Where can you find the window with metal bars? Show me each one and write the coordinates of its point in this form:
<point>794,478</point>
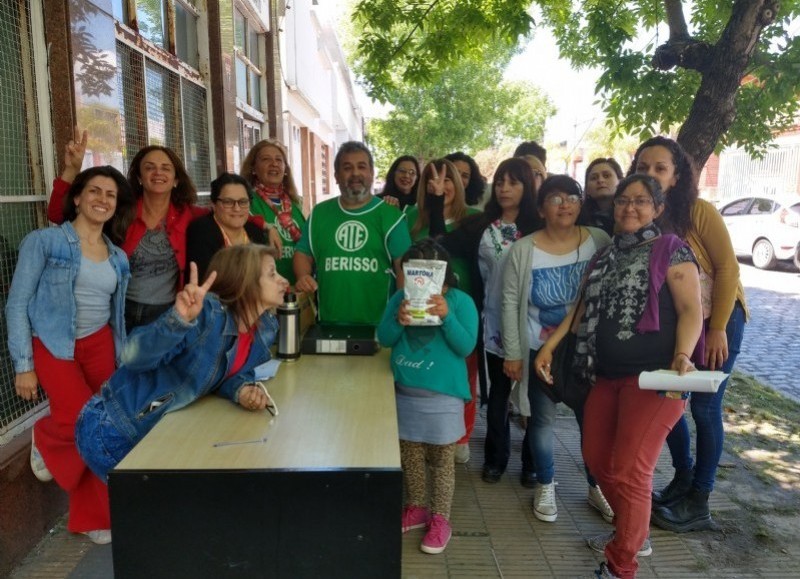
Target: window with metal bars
<point>22,181</point>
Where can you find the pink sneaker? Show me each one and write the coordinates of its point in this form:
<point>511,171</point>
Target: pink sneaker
<point>415,518</point>
<point>437,537</point>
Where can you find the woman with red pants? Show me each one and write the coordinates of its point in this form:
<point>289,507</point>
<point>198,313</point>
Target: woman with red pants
<point>640,311</point>
<point>66,325</point>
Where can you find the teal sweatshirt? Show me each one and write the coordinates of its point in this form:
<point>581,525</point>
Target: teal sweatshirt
<point>432,357</point>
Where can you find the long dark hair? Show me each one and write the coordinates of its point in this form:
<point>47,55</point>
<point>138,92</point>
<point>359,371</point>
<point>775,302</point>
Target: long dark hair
<point>125,211</point>
<point>474,189</point>
<point>184,193</point>
<point>528,219</point>
<point>677,216</point>
<point>390,188</point>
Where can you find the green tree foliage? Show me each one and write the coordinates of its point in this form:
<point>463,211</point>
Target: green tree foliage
<point>468,107</point>
<point>729,73</point>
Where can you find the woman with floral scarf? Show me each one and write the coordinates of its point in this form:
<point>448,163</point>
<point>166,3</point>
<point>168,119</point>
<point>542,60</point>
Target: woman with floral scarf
<point>640,311</point>
<point>266,168</point>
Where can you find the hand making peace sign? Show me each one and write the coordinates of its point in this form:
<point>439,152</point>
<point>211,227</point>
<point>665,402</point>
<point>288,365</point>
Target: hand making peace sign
<point>436,182</point>
<point>189,301</point>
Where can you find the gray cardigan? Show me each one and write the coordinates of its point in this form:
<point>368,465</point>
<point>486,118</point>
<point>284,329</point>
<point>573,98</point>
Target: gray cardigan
<point>516,288</point>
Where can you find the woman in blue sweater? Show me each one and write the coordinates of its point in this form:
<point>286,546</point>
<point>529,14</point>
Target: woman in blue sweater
<point>431,385</point>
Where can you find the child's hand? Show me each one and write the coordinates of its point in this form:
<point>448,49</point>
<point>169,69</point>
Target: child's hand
<point>438,306</point>
<point>403,317</point>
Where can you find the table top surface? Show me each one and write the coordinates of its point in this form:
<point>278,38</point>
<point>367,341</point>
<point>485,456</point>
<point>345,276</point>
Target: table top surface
<point>334,412</point>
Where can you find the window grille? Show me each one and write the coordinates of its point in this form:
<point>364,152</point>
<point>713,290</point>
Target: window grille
<point>161,108</point>
<point>22,184</point>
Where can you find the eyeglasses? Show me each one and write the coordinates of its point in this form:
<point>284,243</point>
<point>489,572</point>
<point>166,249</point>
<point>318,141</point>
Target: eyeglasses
<point>558,200</point>
<point>407,172</point>
<point>229,203</point>
<point>637,202</point>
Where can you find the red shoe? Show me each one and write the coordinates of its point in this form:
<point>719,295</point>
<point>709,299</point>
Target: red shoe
<point>437,537</point>
<point>415,518</point>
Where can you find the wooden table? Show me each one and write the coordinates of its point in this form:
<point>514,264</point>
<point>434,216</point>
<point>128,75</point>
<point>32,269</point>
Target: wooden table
<point>318,494</point>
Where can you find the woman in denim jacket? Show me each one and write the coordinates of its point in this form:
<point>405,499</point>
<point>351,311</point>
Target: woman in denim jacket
<point>66,327</point>
<point>206,343</point>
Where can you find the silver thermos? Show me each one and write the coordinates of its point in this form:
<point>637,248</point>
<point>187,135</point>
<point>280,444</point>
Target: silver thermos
<point>289,328</point>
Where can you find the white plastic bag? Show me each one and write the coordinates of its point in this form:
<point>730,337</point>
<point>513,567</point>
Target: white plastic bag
<point>423,278</point>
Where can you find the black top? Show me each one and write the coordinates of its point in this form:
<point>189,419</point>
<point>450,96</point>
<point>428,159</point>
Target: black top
<point>204,239</point>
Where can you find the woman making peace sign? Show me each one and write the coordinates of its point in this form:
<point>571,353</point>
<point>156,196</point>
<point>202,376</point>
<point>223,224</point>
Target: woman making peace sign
<point>207,343</point>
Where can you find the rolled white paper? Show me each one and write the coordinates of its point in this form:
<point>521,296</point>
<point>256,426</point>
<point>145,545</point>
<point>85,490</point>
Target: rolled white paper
<point>668,380</point>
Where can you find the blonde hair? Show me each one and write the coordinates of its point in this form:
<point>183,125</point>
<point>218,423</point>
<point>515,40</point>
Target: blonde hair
<point>238,281</point>
<point>458,209</point>
<point>249,163</point>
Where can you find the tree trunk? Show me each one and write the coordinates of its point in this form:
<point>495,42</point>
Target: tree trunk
<point>714,107</point>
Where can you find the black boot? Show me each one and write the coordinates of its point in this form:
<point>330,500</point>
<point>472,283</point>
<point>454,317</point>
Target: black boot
<point>688,514</point>
<point>675,490</point>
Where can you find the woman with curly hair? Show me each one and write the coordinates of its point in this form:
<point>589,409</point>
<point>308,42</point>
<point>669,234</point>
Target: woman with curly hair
<point>66,329</point>
<point>683,504</point>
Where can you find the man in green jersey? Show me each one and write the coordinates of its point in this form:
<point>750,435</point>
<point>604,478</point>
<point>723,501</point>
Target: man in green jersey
<point>355,241</point>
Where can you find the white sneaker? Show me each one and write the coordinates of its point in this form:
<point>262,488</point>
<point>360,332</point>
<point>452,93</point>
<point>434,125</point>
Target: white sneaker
<point>544,502</point>
<point>461,455</point>
<point>99,536</point>
<point>38,466</point>
<point>598,501</point>
<point>599,543</point>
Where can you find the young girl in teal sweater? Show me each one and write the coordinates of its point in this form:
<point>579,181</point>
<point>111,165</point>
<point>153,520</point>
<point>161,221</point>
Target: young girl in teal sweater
<point>431,388</point>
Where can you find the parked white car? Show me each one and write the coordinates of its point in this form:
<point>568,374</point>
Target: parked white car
<point>767,229</point>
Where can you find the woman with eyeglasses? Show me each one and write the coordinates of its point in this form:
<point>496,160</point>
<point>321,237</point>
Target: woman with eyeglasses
<point>639,311</point>
<point>225,226</point>
<point>683,504</point>
<point>541,280</point>
<point>483,240</point>
<point>266,167</point>
<point>402,180</point>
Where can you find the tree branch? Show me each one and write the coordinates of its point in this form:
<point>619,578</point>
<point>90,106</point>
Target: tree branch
<point>678,31</point>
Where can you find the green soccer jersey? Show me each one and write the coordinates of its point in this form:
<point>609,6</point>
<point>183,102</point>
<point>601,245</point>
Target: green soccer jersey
<point>353,251</point>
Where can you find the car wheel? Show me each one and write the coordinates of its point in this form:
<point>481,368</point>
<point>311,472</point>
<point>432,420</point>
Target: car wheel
<point>763,255</point>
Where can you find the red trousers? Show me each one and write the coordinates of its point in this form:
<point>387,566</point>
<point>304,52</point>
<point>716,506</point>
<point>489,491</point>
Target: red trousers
<point>471,407</point>
<point>624,429</point>
<point>69,385</point>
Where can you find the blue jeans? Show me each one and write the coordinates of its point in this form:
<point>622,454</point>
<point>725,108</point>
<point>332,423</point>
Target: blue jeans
<point>539,436</point>
<point>99,443</point>
<point>707,414</point>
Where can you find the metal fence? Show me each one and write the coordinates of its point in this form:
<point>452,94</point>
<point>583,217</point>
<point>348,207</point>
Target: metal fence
<point>22,181</point>
<point>778,173</point>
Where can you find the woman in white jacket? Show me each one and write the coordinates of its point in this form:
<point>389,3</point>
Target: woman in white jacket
<point>541,281</point>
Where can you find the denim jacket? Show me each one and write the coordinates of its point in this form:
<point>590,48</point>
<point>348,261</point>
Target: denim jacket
<point>41,301</point>
<point>170,363</point>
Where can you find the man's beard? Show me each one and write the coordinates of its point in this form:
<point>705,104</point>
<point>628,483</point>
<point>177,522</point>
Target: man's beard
<point>355,194</point>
